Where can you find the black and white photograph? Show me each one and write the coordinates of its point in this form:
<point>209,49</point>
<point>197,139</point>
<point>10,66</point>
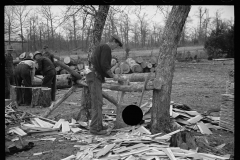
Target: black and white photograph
<point>119,82</point>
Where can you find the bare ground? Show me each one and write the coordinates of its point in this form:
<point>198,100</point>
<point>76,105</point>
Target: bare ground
<point>197,85</point>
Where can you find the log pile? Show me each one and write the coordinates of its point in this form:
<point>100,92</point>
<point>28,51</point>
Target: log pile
<point>227,112</point>
<point>137,65</point>
<point>73,61</point>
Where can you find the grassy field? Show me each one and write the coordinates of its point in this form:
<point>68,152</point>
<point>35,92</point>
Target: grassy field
<point>198,85</point>
<point>193,50</point>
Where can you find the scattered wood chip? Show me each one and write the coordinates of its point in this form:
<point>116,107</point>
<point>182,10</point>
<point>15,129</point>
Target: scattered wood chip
<point>18,131</point>
<point>203,128</point>
<point>58,124</point>
<point>69,157</point>
<point>75,130</point>
<point>195,119</point>
<point>143,130</point>
<point>105,150</point>
<point>43,124</point>
<point>169,153</point>
<point>220,146</point>
<point>65,126</point>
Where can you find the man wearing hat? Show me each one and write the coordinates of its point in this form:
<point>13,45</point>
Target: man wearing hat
<point>47,68</point>
<point>100,66</point>
<point>9,71</point>
<point>25,72</point>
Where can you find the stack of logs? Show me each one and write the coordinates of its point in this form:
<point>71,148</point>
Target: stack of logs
<point>227,106</point>
<point>73,61</point>
<point>130,65</point>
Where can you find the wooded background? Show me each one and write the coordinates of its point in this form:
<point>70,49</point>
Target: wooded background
<point>29,28</point>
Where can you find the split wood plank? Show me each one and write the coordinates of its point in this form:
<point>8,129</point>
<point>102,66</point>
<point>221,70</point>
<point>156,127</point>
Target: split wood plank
<point>130,148</point>
<point>131,153</point>
<point>192,113</point>
<point>169,153</point>
<point>58,124</point>
<point>195,119</point>
<point>203,128</point>
<point>69,157</point>
<point>143,130</point>
<point>18,131</point>
<point>65,126</point>
<point>105,150</point>
<point>43,123</point>
<point>75,130</point>
<point>35,123</point>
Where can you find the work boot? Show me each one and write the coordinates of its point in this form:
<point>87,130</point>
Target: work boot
<point>101,132</point>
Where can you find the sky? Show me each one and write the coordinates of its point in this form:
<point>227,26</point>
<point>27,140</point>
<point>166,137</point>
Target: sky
<point>155,16</point>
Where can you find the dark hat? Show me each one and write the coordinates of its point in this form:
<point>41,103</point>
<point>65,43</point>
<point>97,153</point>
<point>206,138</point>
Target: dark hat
<point>44,47</point>
<point>36,53</point>
<point>28,58</point>
<point>117,39</point>
<point>10,48</point>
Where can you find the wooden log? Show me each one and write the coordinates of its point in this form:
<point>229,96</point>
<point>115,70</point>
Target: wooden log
<point>64,66</point>
<point>72,67</point>
<point>124,67</point>
<point>133,65</point>
<point>56,104</point>
<point>113,62</point>
<point>139,60</point>
<point>133,87</point>
<point>45,97</point>
<point>149,65</point>
<point>144,64</point>
<point>135,77</point>
<point>117,70</point>
<point>114,67</point>
<point>153,60</point>
<point>62,81</point>
<point>80,66</point>
<point>69,61</point>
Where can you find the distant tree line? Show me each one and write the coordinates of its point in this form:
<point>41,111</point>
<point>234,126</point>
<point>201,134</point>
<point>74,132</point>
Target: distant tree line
<point>71,28</point>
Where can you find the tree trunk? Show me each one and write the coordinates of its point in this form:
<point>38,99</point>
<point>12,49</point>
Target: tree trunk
<point>100,18</point>
<point>160,121</point>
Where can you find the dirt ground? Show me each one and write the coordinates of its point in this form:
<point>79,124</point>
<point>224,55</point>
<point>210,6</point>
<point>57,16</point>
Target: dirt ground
<point>198,85</point>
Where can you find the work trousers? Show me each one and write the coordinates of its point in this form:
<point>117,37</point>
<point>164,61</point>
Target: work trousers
<point>95,88</point>
<point>49,81</point>
<point>23,73</point>
<point>9,80</point>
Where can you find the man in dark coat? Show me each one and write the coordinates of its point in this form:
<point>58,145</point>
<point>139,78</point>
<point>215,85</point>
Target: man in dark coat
<point>47,68</point>
<point>9,71</point>
<point>25,72</point>
<point>100,68</point>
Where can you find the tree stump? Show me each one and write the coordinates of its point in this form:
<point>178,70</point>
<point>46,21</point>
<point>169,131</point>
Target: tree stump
<point>41,96</point>
<point>36,92</point>
<point>45,97</point>
<point>119,123</point>
<point>184,140</point>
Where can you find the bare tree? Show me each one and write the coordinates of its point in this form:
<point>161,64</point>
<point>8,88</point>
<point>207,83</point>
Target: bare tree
<point>160,121</point>
<point>50,17</point>
<point>9,22</point>
<point>200,14</point>
<point>21,13</point>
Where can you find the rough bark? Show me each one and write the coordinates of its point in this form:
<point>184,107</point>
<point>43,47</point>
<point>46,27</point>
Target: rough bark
<point>160,121</point>
<point>99,22</point>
